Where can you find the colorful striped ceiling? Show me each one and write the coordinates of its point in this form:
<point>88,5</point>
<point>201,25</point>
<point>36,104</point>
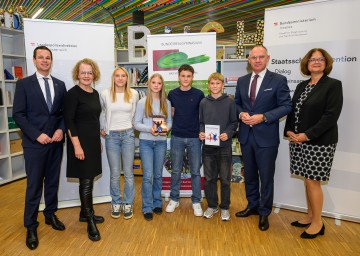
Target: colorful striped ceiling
<point>157,14</point>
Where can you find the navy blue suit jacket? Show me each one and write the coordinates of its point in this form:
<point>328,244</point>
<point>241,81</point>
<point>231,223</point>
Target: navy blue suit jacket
<point>31,113</point>
<point>273,100</point>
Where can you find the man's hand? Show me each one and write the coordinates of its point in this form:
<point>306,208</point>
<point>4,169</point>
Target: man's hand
<point>251,120</point>
<point>58,136</point>
<point>44,139</point>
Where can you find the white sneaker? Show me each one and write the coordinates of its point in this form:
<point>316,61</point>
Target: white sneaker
<point>210,212</point>
<point>115,210</point>
<point>198,212</point>
<point>225,215</point>
<point>171,206</point>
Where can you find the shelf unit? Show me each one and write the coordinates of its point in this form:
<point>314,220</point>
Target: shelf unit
<point>231,67</point>
<point>12,53</point>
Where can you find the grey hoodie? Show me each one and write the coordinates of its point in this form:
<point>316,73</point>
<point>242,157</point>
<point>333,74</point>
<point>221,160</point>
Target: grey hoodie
<point>220,111</point>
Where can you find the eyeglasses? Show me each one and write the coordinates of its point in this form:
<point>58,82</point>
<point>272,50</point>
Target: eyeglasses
<point>313,60</point>
<point>260,57</point>
<point>84,73</point>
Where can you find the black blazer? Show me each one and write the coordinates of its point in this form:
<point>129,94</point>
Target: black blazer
<point>31,113</point>
<point>319,112</point>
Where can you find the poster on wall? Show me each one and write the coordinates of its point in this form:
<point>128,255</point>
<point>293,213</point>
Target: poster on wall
<point>290,32</point>
<point>166,53</point>
<point>69,43</point>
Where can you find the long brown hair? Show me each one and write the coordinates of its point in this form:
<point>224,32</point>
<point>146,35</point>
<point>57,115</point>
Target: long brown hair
<point>149,99</point>
<point>127,92</point>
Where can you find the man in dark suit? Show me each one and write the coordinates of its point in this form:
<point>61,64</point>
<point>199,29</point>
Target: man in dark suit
<point>262,98</point>
<point>38,111</point>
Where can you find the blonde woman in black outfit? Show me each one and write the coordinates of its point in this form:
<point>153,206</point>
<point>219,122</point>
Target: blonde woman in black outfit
<point>81,112</point>
<point>313,133</point>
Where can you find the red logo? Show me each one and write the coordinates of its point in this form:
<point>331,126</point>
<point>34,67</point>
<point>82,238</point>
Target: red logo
<point>276,23</point>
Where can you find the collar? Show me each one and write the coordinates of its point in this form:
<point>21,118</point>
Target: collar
<point>40,76</point>
<point>261,74</point>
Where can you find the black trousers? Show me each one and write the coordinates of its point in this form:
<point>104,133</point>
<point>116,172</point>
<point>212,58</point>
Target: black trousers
<point>217,163</point>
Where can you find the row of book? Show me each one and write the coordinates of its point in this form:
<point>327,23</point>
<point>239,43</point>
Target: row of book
<point>15,73</point>
<point>137,77</point>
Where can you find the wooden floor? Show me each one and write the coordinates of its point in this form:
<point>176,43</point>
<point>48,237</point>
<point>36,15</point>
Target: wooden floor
<point>178,233</point>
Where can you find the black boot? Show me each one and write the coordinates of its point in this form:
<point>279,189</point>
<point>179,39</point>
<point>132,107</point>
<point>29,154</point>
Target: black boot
<point>93,232</point>
<point>85,189</point>
<point>98,219</point>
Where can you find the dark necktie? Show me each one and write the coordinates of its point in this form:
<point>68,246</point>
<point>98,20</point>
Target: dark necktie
<point>253,90</point>
<point>48,94</point>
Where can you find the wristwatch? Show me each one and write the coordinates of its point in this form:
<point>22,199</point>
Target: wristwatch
<point>264,118</point>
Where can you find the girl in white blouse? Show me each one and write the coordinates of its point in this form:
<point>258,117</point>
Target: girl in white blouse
<point>118,108</point>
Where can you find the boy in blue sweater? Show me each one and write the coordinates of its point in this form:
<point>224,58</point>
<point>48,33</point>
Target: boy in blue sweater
<point>185,102</point>
<point>218,123</point>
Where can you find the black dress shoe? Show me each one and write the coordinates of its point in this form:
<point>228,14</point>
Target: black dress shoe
<point>157,210</point>
<point>97,219</point>
<point>54,222</point>
<point>246,213</point>
<point>306,235</point>
<point>32,240</point>
<point>148,215</point>
<point>263,223</point>
<point>299,225</point>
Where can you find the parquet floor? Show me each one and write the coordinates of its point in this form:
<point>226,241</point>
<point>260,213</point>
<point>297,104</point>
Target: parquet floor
<point>178,233</point>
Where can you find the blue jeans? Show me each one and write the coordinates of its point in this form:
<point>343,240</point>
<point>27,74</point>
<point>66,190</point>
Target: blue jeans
<point>121,143</point>
<point>152,153</point>
<point>193,149</point>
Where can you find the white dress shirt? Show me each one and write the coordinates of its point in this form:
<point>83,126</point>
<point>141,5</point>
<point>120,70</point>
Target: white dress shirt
<point>258,82</point>
<point>42,85</point>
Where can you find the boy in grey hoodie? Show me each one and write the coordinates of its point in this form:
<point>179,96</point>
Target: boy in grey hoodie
<point>218,123</point>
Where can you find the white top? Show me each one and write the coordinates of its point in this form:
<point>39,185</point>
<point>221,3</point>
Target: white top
<point>42,85</point>
<point>118,115</point>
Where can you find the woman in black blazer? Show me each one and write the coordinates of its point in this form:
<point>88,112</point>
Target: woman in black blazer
<point>313,133</point>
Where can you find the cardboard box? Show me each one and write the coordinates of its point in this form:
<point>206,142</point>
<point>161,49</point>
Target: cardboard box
<point>137,167</point>
<point>15,146</point>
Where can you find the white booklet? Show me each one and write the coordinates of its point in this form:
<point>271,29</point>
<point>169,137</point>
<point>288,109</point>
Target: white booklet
<point>212,133</point>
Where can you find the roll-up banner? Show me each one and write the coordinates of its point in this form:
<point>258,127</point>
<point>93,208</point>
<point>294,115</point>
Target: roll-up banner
<point>69,43</point>
<point>290,32</point>
<point>165,55</point>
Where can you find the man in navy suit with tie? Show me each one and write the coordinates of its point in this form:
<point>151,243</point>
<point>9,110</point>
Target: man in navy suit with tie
<point>262,98</point>
<point>38,111</point>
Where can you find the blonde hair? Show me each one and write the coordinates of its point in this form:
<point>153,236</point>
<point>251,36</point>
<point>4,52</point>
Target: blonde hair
<point>216,76</point>
<point>149,99</point>
<point>127,92</point>
<point>87,61</point>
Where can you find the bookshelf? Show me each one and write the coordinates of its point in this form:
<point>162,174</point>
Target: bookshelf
<point>137,70</point>
<point>12,53</point>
